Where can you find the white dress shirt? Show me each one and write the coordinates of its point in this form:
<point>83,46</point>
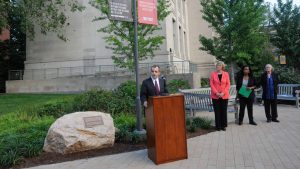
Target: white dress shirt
<point>153,80</point>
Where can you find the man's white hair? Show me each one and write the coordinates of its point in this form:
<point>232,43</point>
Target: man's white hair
<point>269,65</point>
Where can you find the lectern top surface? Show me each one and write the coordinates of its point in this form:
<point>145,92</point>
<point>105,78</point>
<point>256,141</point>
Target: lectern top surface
<point>171,95</point>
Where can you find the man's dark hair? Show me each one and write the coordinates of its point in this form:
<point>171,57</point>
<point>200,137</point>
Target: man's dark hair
<point>155,66</point>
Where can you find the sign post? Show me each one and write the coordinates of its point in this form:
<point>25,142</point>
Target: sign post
<point>121,10</point>
<point>147,10</point>
<point>139,127</point>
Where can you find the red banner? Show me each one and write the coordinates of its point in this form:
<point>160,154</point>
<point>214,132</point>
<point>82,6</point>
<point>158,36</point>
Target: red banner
<point>147,12</point>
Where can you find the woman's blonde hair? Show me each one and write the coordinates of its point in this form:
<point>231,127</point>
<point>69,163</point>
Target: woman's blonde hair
<point>220,63</point>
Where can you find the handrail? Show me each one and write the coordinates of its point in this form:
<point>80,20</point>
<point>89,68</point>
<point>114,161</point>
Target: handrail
<point>174,67</point>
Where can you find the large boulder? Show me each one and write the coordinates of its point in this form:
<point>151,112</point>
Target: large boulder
<point>80,131</point>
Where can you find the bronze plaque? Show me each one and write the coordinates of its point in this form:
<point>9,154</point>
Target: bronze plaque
<point>92,121</point>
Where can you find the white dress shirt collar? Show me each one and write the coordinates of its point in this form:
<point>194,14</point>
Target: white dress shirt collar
<point>153,80</point>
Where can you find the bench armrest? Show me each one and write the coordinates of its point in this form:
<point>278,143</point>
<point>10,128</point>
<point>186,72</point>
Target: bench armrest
<point>258,89</point>
<point>297,93</point>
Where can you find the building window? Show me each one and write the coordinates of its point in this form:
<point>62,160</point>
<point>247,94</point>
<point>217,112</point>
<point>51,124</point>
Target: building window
<point>183,10</point>
<point>181,43</point>
<point>185,46</point>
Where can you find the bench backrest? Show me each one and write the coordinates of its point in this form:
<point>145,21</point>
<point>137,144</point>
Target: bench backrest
<point>287,89</point>
<point>232,91</point>
<point>198,101</point>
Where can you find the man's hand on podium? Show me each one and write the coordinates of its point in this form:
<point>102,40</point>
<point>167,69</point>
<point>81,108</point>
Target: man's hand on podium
<point>145,104</point>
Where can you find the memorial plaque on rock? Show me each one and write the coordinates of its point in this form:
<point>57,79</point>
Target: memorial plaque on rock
<point>92,121</point>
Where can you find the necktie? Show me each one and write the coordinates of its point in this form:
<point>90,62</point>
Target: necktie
<point>156,88</point>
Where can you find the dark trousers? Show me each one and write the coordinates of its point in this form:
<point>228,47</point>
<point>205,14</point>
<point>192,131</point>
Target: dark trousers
<point>220,109</point>
<point>243,103</point>
<point>271,103</point>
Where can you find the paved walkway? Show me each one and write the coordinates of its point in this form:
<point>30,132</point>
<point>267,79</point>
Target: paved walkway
<point>266,146</point>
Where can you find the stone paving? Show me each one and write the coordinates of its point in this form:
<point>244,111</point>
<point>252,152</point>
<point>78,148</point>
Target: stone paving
<point>266,146</point>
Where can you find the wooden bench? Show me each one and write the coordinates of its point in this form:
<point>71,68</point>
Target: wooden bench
<point>285,92</point>
<point>199,100</point>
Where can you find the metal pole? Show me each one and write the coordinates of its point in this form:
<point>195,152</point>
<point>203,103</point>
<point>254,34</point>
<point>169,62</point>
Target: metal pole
<point>9,72</point>
<point>136,61</point>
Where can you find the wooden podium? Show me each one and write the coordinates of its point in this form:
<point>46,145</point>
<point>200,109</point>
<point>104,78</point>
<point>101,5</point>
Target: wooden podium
<point>166,131</point>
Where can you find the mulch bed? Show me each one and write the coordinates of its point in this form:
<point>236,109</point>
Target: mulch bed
<point>51,158</point>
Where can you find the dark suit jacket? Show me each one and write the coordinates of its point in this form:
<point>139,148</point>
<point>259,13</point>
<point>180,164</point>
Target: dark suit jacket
<point>148,89</point>
<point>264,84</point>
<point>251,83</point>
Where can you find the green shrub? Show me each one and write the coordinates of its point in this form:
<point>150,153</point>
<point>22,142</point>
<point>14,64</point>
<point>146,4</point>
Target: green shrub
<point>134,137</point>
<point>176,84</point>
<point>93,100</point>
<point>188,121</point>
<point>20,137</point>
<point>27,114</point>
<point>125,121</point>
<point>191,128</point>
<point>288,75</point>
<point>200,122</point>
<point>125,124</point>
<point>124,98</point>
<point>197,121</point>
<point>114,102</point>
<point>121,104</point>
<point>205,82</point>
<point>121,135</point>
<point>127,89</point>
<point>56,109</point>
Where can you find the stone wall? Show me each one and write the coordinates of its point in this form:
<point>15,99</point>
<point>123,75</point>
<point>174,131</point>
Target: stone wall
<point>83,83</point>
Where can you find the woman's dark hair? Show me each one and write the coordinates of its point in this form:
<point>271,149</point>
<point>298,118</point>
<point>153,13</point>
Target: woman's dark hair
<point>241,74</point>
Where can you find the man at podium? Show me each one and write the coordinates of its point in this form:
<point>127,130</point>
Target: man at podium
<point>153,86</point>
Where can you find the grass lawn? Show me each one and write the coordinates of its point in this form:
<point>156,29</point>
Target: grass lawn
<point>23,129</point>
<point>12,102</point>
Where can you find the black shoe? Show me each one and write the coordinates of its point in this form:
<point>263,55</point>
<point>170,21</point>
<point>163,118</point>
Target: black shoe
<point>268,121</point>
<point>253,123</point>
<point>240,123</point>
<point>275,120</point>
<point>218,129</point>
<point>224,129</point>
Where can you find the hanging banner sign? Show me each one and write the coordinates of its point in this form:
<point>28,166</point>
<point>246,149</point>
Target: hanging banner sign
<point>147,12</point>
<point>282,59</point>
<point>120,10</point>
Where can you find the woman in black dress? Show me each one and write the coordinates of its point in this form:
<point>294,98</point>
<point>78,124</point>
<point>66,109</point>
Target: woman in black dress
<point>245,78</point>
